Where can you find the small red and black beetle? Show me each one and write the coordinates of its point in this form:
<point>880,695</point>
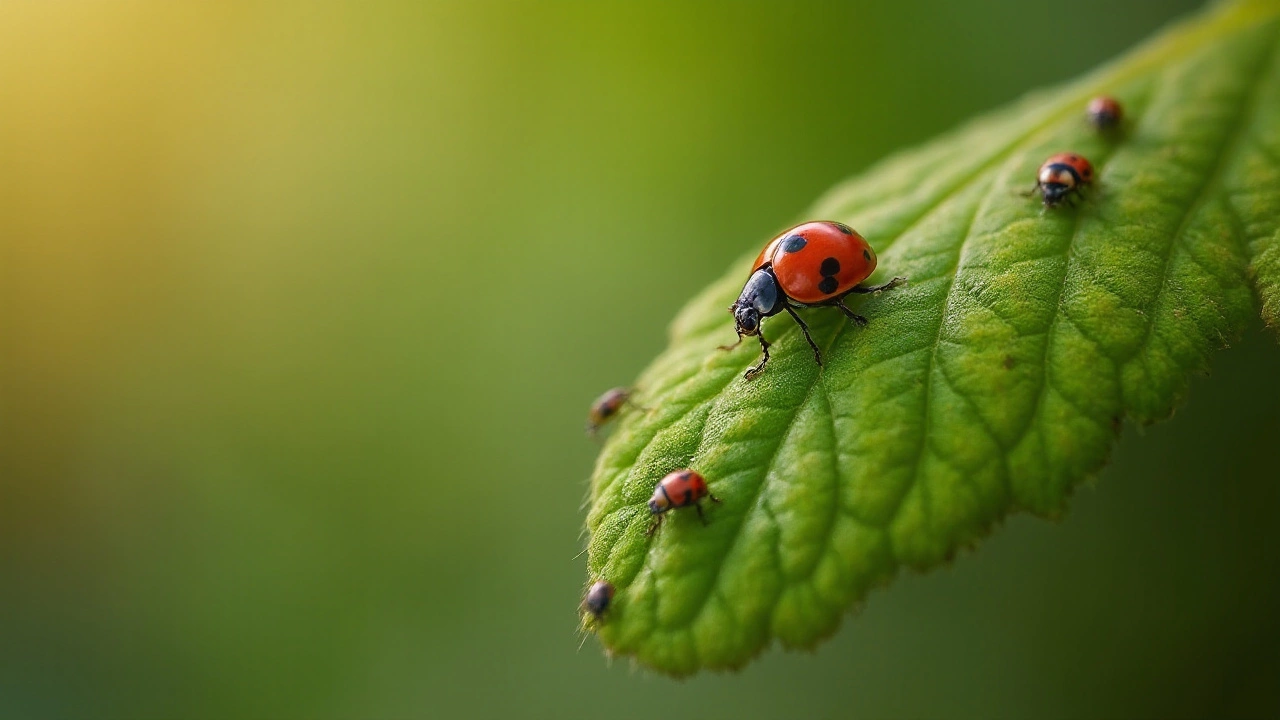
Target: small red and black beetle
<point>680,488</point>
<point>1061,177</point>
<point>815,264</point>
<point>1105,112</point>
<point>606,407</point>
<point>596,603</point>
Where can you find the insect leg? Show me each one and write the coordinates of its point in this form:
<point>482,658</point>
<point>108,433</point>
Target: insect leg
<point>653,527</point>
<point>759,367</point>
<point>864,290</point>
<point>817,354</point>
<point>862,321</point>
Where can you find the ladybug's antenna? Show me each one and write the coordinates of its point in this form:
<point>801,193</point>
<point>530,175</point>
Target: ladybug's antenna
<point>730,347</point>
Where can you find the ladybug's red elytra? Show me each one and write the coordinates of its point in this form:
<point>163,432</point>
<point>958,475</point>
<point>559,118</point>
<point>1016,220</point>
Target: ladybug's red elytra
<point>815,264</point>
<point>680,488</point>
<point>606,407</point>
<point>1105,112</point>
<point>596,603</point>
<point>1061,177</point>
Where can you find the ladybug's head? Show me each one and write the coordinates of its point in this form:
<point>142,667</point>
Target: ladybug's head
<point>1054,193</point>
<point>747,320</point>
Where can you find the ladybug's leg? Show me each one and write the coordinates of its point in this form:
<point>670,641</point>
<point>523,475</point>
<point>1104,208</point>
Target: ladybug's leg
<point>862,321</point>
<point>817,354</point>
<point>698,505</point>
<point>657,523</point>
<point>759,367</point>
<point>864,290</point>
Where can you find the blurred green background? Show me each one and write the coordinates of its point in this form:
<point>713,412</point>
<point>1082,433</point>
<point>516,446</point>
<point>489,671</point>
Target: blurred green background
<point>301,306</point>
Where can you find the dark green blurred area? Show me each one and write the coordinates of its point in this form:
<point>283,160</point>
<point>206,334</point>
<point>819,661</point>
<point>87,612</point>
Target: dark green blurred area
<point>301,307</point>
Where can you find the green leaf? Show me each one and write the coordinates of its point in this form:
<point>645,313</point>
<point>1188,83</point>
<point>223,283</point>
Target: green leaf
<point>996,381</point>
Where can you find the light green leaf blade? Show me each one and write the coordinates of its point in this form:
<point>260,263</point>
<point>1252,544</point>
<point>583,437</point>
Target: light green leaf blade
<point>995,382</point>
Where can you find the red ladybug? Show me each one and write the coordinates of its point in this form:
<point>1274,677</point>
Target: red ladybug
<point>606,407</point>
<point>680,488</point>
<point>810,265</point>
<point>1105,112</point>
<point>599,595</point>
<point>1061,177</point>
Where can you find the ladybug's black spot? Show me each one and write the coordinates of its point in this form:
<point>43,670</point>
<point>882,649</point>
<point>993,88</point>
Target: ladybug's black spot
<point>843,228</point>
<point>866,255</point>
<point>828,285</point>
<point>830,266</point>
<point>794,244</point>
